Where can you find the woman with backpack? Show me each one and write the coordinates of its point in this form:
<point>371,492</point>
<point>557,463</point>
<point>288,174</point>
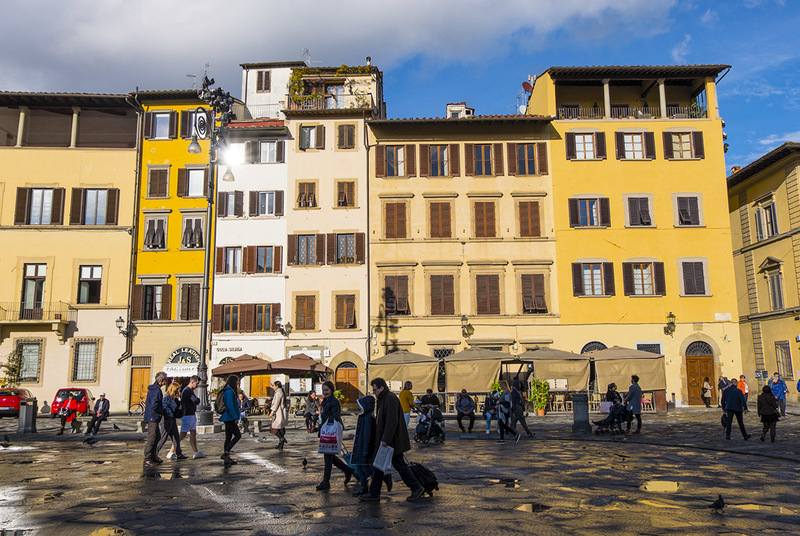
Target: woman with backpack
<point>279,413</point>
<point>227,406</point>
<point>172,412</point>
<point>331,411</point>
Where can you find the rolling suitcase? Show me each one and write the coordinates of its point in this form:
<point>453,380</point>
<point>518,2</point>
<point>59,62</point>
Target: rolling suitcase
<point>425,477</point>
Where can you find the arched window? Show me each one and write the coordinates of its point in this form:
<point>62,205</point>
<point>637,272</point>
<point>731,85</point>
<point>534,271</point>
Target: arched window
<point>699,348</point>
<point>592,346</point>
<point>346,364</point>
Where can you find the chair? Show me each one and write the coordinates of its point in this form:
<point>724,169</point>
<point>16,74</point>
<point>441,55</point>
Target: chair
<point>594,402</point>
<point>647,403</point>
<point>559,403</point>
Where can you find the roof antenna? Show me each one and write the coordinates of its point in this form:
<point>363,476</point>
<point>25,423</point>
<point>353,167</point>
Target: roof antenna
<point>194,80</point>
<point>307,57</point>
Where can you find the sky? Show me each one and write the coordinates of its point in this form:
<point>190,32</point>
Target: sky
<point>431,51</point>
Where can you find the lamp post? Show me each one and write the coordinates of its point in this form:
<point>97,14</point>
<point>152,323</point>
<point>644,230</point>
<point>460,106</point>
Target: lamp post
<point>220,103</point>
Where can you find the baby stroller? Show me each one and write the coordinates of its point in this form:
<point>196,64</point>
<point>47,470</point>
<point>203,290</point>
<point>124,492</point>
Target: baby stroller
<point>430,425</point>
<point>612,424</point>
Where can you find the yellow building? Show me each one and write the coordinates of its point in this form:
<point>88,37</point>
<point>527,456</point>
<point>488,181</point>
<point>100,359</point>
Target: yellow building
<point>66,215</point>
<point>764,217</point>
<point>639,223</point>
<point>170,236</point>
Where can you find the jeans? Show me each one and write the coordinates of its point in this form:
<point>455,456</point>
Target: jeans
<point>782,406</point>
<point>363,472</point>
<point>407,417</point>
<point>518,414</point>
<point>333,459</point>
<point>738,414</point>
<point>311,421</point>
<point>171,431</point>
<point>402,468</point>
<point>489,418</point>
<point>232,436</point>
<point>153,439</point>
<point>471,416</point>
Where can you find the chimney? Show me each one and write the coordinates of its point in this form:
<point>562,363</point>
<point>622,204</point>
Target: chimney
<point>369,61</point>
<point>734,169</point>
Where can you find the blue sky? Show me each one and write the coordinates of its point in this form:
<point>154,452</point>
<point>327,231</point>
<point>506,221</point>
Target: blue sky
<point>431,52</point>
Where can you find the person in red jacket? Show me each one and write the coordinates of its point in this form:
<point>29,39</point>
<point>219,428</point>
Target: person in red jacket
<point>68,412</point>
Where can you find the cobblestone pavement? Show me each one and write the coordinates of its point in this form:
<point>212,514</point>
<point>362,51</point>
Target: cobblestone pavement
<point>659,482</point>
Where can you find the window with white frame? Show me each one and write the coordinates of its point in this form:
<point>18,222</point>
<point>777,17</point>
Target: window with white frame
<point>268,152</point>
<point>306,249</point>
<point>634,145</point>
<point>766,217</point>
<point>192,237</point>
<point>84,367</point>
<point>395,161</point>
<point>41,206</point>
<point>161,125</point>
<point>95,206</point>
<point>195,179</point>
<point>234,154</point>
<point>89,284</point>
<point>308,137</point>
<point>30,354</point>
<point>682,145</point>
<point>233,260</point>
<point>593,279</point>
<point>152,298</point>
<point>266,204</point>
<point>439,167</point>
<point>584,146</point>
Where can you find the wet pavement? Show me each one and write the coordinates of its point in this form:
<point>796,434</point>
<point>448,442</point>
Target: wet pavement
<point>660,482</point>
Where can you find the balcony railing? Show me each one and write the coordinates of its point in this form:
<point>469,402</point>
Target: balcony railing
<point>263,111</point>
<point>58,311</point>
<point>332,102</point>
<point>632,112</point>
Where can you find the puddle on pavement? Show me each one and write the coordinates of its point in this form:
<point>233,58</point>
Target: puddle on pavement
<point>763,508</point>
<point>532,508</point>
<point>660,486</point>
<point>39,479</point>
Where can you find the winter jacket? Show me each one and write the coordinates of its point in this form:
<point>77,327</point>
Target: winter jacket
<point>733,400</point>
<point>279,409</point>
<point>504,405</point>
<point>613,396</point>
<point>102,406</point>
<point>330,410</point>
<point>244,405</point>
<point>767,404</point>
<point>189,401</point>
<point>406,400</point>
<point>633,399</point>
<point>465,405</point>
<point>516,399</point>
<point>231,405</point>
<point>153,410</point>
<point>779,389</point>
<point>72,410</point>
<point>490,406</point>
<point>390,424</point>
<point>364,440</point>
<point>312,405</point>
<point>170,406</point>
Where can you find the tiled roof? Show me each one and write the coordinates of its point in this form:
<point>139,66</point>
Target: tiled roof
<point>636,71</point>
<point>473,119</point>
<point>101,100</point>
<point>167,94</point>
<point>764,162</point>
<point>256,123</point>
<point>272,64</point>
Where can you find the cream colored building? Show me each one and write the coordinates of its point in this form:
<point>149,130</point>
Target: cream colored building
<point>66,215</point>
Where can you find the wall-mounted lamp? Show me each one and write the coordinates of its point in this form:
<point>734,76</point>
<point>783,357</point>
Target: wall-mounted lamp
<point>466,328</point>
<point>669,329</point>
<point>124,330</point>
<point>286,328</point>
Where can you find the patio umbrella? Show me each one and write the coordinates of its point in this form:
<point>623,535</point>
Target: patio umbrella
<point>553,364</point>
<point>617,364</point>
<point>474,369</point>
<point>245,364</point>
<point>298,363</point>
<point>402,365</point>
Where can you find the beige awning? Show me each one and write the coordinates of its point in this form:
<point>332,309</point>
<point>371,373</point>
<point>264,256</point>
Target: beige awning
<point>474,369</point>
<point>553,364</point>
<point>618,364</point>
<point>402,365</point>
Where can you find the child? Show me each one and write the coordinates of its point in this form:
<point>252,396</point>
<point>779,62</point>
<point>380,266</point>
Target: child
<point>364,445</point>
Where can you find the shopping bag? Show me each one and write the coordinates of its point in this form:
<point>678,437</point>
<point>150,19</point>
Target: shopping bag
<point>330,438</point>
<point>383,459</point>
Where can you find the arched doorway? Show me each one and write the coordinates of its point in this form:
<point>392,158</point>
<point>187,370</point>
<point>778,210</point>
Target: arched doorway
<point>591,347</point>
<point>699,365</point>
<point>347,381</point>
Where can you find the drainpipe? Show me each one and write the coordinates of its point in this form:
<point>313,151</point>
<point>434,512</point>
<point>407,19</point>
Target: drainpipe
<point>367,263</point>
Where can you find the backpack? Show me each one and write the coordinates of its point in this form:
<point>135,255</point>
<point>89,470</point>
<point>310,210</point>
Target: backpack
<point>219,404</point>
<point>178,413</point>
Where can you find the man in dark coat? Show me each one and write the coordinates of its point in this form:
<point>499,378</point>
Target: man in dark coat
<point>99,415</point>
<point>734,403</point>
<point>153,413</point>
<point>390,431</point>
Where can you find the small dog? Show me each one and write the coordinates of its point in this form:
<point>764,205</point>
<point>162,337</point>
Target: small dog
<point>76,426</point>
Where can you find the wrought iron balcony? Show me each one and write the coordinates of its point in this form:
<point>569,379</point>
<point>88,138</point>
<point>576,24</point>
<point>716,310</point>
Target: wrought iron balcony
<point>332,102</point>
<point>632,112</point>
<point>37,313</point>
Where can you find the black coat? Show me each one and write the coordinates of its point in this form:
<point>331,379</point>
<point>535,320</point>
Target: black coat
<point>391,424</point>
<point>364,440</point>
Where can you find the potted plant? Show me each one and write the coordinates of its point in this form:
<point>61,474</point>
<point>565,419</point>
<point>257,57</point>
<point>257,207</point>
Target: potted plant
<point>540,390</point>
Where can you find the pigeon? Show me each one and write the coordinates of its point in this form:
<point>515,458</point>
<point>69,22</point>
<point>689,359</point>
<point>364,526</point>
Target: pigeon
<point>90,440</point>
<point>116,427</point>
<point>719,504</point>
<point>263,440</point>
<point>305,463</point>
<point>6,439</point>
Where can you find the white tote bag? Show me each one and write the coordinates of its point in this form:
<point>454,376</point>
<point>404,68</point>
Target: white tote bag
<point>330,438</point>
<point>383,459</point>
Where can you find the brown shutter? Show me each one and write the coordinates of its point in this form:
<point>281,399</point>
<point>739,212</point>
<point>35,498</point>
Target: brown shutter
<point>277,259</point>
<point>350,188</point>
<point>220,261</point>
<point>577,279</point>
<point>688,278</point>
<point>279,203</point>
<point>173,124</point>
<point>469,159</point>
<point>620,139</point>
<point>574,219</point>
<point>411,160</point>
<point>494,294</point>
<point>57,212</point>
<point>331,249</point>
<point>112,206</point>
<point>649,145</point>
<point>608,279</point>
<point>448,295</point>
<point>380,161</point>
<point>480,219</point>
<point>249,262</point>
<point>668,152</point>
<point>320,249</point>
<point>481,294</point>
<point>136,302</point>
<point>280,151</point>
<point>600,145</point>
<point>435,220</point>
<point>194,301</point>
<point>497,151</point>
<point>605,212</point>
<point>694,211</point>
<point>699,148</point>
<point>444,214</point>
<point>527,288</point>
<point>340,311</point>
<point>252,152</point>
<point>274,310</point>
<point>454,159</point>
<point>166,302</point>
<point>320,137</point>
<point>390,219</point>
<point>627,278</point>
<point>659,279</point>
<point>402,292</point>
<point>569,143</point>
<point>238,203</point>
<point>535,219</point>
<point>341,141</point>
<point>183,179</point>
<point>511,153</point>
<point>185,301</point>
<point>424,160</point>
<point>491,226</point>
<point>247,317</point>
<point>222,204</point>
<point>540,304</point>
<point>400,220</point>
<point>437,306</point>
<point>541,159</point>
<point>216,318</point>
<point>148,125</point>
<point>361,247</point>
<point>524,218</point>
<point>311,313</point>
<point>76,207</point>
<point>291,250</point>
<point>185,130</point>
<point>252,208</point>
<point>21,209</point>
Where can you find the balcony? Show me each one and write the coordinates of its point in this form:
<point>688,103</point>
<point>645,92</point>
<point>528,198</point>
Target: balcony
<point>263,111</point>
<point>632,112</point>
<point>55,314</point>
<point>331,102</point>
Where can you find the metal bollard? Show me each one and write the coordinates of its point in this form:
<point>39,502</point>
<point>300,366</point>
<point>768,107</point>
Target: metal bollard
<point>580,414</point>
<point>27,416</point>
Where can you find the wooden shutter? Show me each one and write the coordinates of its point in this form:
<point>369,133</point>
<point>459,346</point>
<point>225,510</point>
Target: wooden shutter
<point>659,281</point>
<point>529,218</point>
<point>166,302</point>
<point>186,131</point>
<point>22,204</point>
<point>693,278</point>
<point>184,314</point>
<point>512,156</point>
<point>497,154</point>
<point>57,209</point>
<point>148,125</point>
<point>249,259</point>
<point>279,203</point>
<point>277,259</point>
<point>574,219</point>
<point>481,294</point>
<point>480,219</point>
<point>136,302</point>
<point>340,311</point>
<point>183,180</point>
<point>320,249</point>
<point>194,301</point>
<point>291,250</point>
<point>252,208</point>
<point>699,148</point>
<point>649,145</point>
<point>436,295</point>
<point>541,159</point>
<point>627,278</point>
<point>634,215</point>
<point>380,161</point>
<point>569,143</point>
<point>252,152</point>
<point>411,160</point>
<point>173,124</point>
<point>220,261</point>
<point>494,294</point>
<point>454,159</point>
<point>400,218</point>
<point>331,248</point>
<point>526,281</point>
<point>274,310</point>
<point>620,139</point>
<point>424,160</point>
<point>341,141</point>
<point>361,247</point>
<point>402,295</point>
<point>539,302</point>
<point>440,220</point>
<point>320,137</point>
<point>469,159</point>
<point>605,212</point>
<point>238,204</point>
<point>76,207</point>
<point>222,204</point>
<point>668,152</point>
<point>247,317</point>
<point>311,313</point>
<point>600,145</point>
<point>577,279</point>
<point>390,217</point>
<point>488,293</point>
<point>608,279</point>
<point>694,211</point>
<point>216,318</point>
<point>112,206</point>
<point>280,151</point>
<point>448,295</point>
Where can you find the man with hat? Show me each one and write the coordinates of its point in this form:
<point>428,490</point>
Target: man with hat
<point>99,414</point>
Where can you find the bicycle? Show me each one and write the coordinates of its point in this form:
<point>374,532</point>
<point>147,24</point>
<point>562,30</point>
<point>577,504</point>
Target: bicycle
<point>137,408</point>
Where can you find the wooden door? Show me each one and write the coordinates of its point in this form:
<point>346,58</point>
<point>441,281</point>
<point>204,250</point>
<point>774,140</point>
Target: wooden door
<point>140,379</point>
<point>697,369</point>
<point>259,385</point>
<point>347,383</point>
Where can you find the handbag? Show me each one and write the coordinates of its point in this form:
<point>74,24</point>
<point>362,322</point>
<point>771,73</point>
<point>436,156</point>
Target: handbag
<point>62,411</point>
<point>330,438</point>
<point>383,459</point>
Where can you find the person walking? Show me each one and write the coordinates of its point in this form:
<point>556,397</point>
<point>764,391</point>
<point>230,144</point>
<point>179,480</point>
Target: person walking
<point>153,412</point>
<point>779,389</point>
<point>68,412</point>
<point>279,414</point>
<point>708,391</point>
<point>391,432</point>
<point>99,414</point>
<point>364,446</point>
<point>744,388</point>
<point>244,407</point>
<point>311,412</point>
<point>189,402</point>
<point>733,403</point>
<point>172,412</point>
<point>465,407</point>
<point>407,401</point>
<point>518,409</point>
<point>229,417</point>
<point>768,411</point>
<point>490,410</point>
<point>504,409</point>
<point>722,384</point>
<point>331,411</point>
<point>633,403</point>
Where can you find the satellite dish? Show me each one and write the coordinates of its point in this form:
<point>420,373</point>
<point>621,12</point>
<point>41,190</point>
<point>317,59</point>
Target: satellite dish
<point>527,86</point>
<point>522,108</point>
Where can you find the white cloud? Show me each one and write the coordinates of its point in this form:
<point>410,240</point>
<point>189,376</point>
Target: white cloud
<point>774,140</point>
<point>681,50</point>
<point>710,18</point>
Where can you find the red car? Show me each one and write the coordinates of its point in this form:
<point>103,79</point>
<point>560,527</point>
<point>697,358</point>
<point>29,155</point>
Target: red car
<point>82,396</point>
<point>10,397</point>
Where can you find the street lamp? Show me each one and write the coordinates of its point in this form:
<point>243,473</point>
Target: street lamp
<point>286,328</point>
<point>669,328</point>
<point>220,103</point>
<point>124,330</point>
